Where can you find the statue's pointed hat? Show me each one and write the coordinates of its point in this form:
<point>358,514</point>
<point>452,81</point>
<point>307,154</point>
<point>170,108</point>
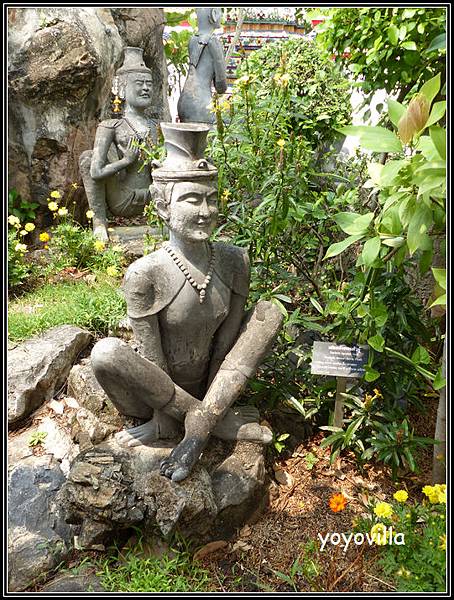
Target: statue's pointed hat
<point>185,144</point>
<point>133,62</point>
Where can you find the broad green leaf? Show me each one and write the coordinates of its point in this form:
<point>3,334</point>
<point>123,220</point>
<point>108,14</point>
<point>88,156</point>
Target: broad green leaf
<point>390,171</point>
<point>427,148</point>
<point>377,139</point>
<point>377,342</point>
<point>354,226</point>
<point>339,247</point>
<point>437,113</point>
<point>409,45</point>
<point>437,43</point>
<point>371,250</point>
<point>440,277</point>
<point>380,314</point>
<point>393,34</point>
<point>431,88</point>
<point>439,381</point>
<point>392,242</point>
<point>418,227</point>
<point>374,169</point>
<point>420,356</point>
<point>371,374</point>
<point>438,137</point>
<point>396,110</point>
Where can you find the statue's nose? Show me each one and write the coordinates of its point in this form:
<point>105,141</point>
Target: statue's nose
<point>203,209</point>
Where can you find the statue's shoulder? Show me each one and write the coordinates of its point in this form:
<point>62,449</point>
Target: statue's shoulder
<point>150,284</point>
<point>233,267</point>
<point>111,123</point>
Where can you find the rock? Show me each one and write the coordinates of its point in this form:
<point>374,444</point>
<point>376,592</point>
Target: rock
<point>75,583</point>
<point>39,367</point>
<point>61,65</point>
<point>110,489</point>
<point>38,537</point>
<point>99,417</point>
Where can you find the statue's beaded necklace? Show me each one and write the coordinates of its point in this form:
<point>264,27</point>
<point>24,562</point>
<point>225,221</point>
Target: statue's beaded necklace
<point>201,288</point>
<point>141,138</point>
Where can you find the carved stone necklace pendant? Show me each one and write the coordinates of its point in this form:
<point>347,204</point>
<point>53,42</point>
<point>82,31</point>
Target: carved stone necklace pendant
<point>201,288</point>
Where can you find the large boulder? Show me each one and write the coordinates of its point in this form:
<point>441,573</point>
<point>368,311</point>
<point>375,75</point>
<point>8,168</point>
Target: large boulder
<point>38,368</point>
<point>110,489</point>
<point>61,65</point>
<point>38,537</point>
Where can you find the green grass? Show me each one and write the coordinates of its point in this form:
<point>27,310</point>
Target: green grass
<point>130,571</point>
<point>95,306</point>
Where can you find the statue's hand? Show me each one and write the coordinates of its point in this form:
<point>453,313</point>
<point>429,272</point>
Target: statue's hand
<point>131,153</point>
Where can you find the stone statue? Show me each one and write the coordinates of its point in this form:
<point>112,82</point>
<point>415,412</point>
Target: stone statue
<point>110,172</point>
<point>196,346</point>
<point>206,66</point>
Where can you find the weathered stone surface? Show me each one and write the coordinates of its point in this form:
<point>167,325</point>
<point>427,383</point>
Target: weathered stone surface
<point>61,64</point>
<point>74,583</point>
<point>38,368</point>
<point>110,488</point>
<point>82,385</point>
<point>38,537</point>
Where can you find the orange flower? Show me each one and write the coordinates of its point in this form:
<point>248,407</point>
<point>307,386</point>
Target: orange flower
<point>337,502</point>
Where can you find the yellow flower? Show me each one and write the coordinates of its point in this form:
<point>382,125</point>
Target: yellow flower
<point>443,542</point>
<point>44,237</point>
<point>383,510</point>
<point>75,185</point>
<point>111,271</point>
<point>244,80</point>
<point>99,245</point>
<point>63,211</point>
<point>55,194</point>
<point>442,497</point>
<point>379,534</point>
<point>117,248</point>
<point>20,248</point>
<point>436,493</point>
<point>13,220</point>
<point>403,572</point>
<point>282,80</point>
<point>280,143</point>
<point>401,496</point>
<point>377,393</point>
<point>23,232</point>
<point>29,226</point>
<point>90,214</point>
<point>53,206</point>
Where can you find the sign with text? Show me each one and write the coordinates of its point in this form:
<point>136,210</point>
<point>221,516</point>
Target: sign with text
<point>338,360</point>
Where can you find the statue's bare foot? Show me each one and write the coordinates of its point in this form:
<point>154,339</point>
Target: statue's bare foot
<point>178,465</point>
<point>100,232</point>
<point>241,423</point>
<point>159,427</point>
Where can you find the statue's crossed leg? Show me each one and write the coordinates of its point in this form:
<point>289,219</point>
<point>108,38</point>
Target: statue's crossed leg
<point>136,386</point>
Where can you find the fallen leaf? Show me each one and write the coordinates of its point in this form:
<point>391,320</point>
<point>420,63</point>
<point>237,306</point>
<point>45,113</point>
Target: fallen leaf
<point>243,546</point>
<point>245,531</point>
<point>209,549</point>
<point>338,474</point>
<point>56,406</point>
<point>283,477</point>
<point>71,402</point>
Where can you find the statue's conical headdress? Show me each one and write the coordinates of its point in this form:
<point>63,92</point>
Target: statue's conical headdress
<point>133,62</point>
<point>185,144</point>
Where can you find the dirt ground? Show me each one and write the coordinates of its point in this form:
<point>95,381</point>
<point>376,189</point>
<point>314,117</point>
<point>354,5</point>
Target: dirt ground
<point>299,510</point>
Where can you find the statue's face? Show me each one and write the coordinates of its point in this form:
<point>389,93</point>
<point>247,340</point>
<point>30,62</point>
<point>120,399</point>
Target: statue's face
<point>138,90</point>
<point>193,210</point>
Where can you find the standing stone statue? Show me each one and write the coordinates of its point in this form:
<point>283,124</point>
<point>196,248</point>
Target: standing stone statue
<point>197,346</point>
<point>110,172</point>
<point>206,66</point>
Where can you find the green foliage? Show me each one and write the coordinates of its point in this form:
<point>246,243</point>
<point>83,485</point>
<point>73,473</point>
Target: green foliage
<point>419,565</point>
<point>18,268</point>
<point>305,568</point>
<point>37,437</point>
<point>24,210</point>
<point>311,460</point>
<point>278,442</point>
<point>387,48</point>
<point>374,428</point>
<point>97,306</point>
<point>176,48</point>
<point>132,571</point>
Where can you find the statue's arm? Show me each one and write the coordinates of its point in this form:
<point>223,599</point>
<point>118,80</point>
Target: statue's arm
<point>148,336</point>
<point>100,167</point>
<point>220,71</point>
<point>227,334</point>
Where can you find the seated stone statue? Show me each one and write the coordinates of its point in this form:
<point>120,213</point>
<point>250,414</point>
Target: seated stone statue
<point>110,172</point>
<point>185,302</point>
<point>206,66</point>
